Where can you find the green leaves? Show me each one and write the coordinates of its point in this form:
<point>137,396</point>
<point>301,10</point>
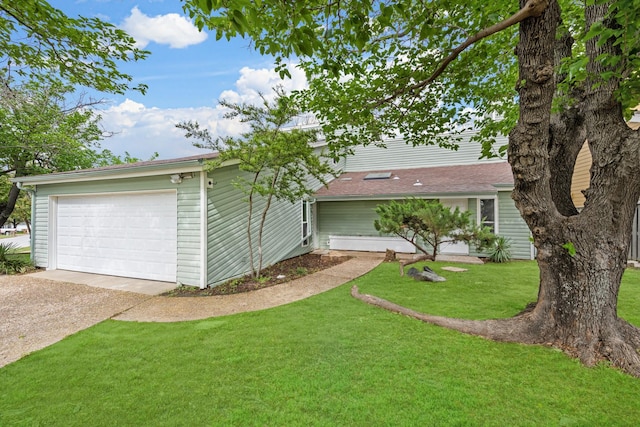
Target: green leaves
<point>278,163</point>
<point>41,134</point>
<point>368,63</point>
<point>365,62</point>
<point>39,41</point>
<point>570,248</point>
<point>421,222</point>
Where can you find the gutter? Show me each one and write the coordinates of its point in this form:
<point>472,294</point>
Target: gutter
<point>348,198</point>
<point>108,174</point>
<point>154,168</point>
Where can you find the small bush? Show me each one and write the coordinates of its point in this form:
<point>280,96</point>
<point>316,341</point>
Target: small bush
<point>10,262</point>
<point>500,252</point>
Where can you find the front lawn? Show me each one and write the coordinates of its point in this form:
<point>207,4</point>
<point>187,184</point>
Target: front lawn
<point>326,361</point>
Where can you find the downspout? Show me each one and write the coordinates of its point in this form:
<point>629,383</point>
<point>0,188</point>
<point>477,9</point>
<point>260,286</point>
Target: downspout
<point>32,195</point>
<point>204,242</point>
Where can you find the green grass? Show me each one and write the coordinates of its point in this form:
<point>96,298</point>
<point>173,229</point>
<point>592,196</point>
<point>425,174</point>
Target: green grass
<point>326,361</point>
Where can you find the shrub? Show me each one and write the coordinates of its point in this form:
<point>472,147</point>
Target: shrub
<point>10,263</point>
<point>500,252</point>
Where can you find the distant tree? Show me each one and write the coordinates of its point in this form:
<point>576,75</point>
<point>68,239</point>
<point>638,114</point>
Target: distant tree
<point>420,221</point>
<point>278,161</point>
<point>107,157</point>
<point>42,132</point>
<point>22,211</point>
<point>40,48</point>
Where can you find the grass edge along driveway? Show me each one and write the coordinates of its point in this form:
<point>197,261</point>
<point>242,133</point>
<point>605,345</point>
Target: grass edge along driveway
<point>328,360</point>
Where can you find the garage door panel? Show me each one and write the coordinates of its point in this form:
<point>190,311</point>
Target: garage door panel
<point>132,235</point>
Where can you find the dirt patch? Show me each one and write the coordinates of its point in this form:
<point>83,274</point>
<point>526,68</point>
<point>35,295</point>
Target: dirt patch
<point>281,272</point>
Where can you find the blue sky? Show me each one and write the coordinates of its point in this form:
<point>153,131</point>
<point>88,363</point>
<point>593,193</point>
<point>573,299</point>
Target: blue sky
<point>187,72</point>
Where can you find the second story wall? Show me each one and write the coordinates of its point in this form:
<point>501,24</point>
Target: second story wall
<point>399,155</point>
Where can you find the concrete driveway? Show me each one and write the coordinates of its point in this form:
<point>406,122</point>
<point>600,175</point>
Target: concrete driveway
<point>36,312</point>
<point>140,286</point>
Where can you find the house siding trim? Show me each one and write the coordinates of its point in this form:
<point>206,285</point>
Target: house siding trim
<point>52,235</point>
<point>203,229</point>
<point>496,212</point>
<point>100,176</point>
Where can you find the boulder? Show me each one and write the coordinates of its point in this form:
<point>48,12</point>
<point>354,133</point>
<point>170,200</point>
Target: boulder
<point>427,275</point>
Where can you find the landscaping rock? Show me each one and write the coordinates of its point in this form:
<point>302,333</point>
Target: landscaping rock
<point>427,275</point>
<point>454,269</point>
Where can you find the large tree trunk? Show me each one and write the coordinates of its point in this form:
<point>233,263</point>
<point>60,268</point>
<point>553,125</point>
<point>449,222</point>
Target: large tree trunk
<point>581,255</point>
<point>6,209</point>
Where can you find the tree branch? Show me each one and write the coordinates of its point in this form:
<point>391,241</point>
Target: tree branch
<point>531,9</point>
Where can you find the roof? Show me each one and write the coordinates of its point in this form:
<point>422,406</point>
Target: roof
<point>124,170</point>
<point>482,178</point>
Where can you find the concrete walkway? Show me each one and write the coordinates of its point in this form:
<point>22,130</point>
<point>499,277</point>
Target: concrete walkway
<point>174,309</point>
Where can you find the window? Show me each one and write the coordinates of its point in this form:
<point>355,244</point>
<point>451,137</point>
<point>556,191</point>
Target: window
<point>487,213</point>
<point>306,214</point>
<point>377,175</point>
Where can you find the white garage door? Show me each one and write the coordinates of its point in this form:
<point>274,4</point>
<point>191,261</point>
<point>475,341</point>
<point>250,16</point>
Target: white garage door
<point>130,235</point>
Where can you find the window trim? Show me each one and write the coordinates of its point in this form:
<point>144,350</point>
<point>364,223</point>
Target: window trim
<point>495,212</point>
<point>305,211</point>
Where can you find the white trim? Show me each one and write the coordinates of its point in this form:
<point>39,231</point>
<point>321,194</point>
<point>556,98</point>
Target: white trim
<point>305,211</point>
<point>203,230</point>
<point>315,242</point>
<point>52,238</point>
<point>115,193</point>
<point>496,218</point>
<point>52,234</point>
<point>104,175</point>
<point>533,249</point>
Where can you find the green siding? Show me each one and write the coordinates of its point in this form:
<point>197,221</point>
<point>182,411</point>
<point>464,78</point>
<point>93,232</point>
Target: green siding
<point>188,268</point>
<point>189,258</point>
<point>228,253</point>
<point>399,155</point>
<point>40,230</point>
<point>510,225</point>
<point>353,218</point>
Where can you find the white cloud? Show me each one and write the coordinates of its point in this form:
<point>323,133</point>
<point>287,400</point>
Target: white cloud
<point>142,130</point>
<point>254,82</point>
<point>171,29</point>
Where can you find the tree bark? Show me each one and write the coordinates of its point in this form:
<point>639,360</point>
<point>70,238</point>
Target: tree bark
<point>6,209</point>
<point>581,255</point>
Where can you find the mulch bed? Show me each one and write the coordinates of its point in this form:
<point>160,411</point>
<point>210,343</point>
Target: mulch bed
<point>291,269</point>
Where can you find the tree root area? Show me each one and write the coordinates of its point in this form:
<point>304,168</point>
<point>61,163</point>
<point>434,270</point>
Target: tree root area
<point>620,346</point>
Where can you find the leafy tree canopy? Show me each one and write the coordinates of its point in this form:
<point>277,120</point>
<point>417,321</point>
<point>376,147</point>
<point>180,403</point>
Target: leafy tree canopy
<point>40,41</point>
<point>43,132</point>
<point>375,67</point>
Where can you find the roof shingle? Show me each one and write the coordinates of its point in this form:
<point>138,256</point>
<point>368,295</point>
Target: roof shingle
<point>460,179</point>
